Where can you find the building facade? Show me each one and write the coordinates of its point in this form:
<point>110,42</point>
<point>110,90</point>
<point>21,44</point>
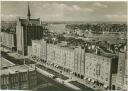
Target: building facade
<point>93,66</point>
<point>79,60</point>
<point>26,31</point>
<point>18,77</point>
<point>39,49</point>
<point>30,51</point>
<point>8,40</point>
<point>121,79</point>
<point>61,56</point>
<point>126,75</point>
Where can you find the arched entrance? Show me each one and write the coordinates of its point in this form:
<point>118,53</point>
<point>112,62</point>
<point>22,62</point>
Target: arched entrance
<point>113,87</point>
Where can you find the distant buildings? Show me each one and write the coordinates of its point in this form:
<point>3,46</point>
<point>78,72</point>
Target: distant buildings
<point>17,77</point>
<point>26,31</point>
<point>58,28</point>
<point>7,35</point>
<point>8,26</point>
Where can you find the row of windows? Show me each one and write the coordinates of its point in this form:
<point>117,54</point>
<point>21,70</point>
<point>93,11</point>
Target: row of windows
<point>4,80</point>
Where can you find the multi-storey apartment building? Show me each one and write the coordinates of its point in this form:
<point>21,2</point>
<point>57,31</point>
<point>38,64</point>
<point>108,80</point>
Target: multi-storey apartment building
<point>8,40</point>
<point>92,65</point>
<point>57,54</point>
<point>17,77</point>
<point>79,60</point>
<point>60,55</point>
<point>39,49</point>
<point>126,75</point>
<point>30,53</point>
<point>100,68</point>
<point>121,79</point>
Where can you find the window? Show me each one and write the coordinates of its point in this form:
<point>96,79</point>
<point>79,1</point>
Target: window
<point>93,74</point>
<point>98,66</point>
<point>86,67</point>
<point>90,64</point>
<point>107,63</point>
<point>106,79</point>
<point>102,77</point>
<point>94,69</point>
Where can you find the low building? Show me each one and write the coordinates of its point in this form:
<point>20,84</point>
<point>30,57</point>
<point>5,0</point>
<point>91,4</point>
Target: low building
<point>18,77</point>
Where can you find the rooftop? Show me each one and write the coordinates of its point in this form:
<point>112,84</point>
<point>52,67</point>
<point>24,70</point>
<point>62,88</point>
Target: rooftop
<point>15,69</point>
<point>30,21</point>
<point>37,41</point>
<point>5,63</point>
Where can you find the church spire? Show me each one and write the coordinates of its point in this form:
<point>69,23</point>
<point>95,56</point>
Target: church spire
<point>29,14</point>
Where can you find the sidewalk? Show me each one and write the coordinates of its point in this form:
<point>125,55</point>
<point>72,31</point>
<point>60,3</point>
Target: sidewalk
<point>71,77</point>
<point>68,80</point>
<point>61,81</point>
<point>74,78</point>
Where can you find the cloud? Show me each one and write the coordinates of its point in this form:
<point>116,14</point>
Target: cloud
<point>116,17</point>
<point>88,10</point>
<point>61,11</point>
<point>64,11</point>
<point>76,7</point>
<point>100,5</point>
<point>10,17</point>
<point>60,6</point>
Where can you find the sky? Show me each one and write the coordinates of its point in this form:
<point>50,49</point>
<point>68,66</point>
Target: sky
<point>66,11</point>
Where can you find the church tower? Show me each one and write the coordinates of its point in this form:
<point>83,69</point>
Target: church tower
<point>29,14</point>
<point>27,30</point>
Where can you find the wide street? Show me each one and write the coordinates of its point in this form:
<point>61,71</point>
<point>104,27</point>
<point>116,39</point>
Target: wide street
<point>48,84</point>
